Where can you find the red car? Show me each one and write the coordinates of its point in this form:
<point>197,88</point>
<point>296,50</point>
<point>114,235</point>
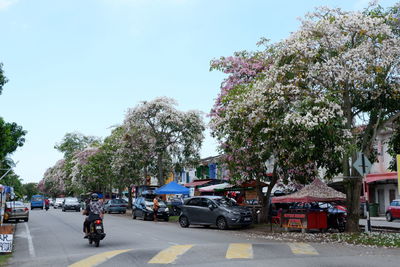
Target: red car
<point>393,211</point>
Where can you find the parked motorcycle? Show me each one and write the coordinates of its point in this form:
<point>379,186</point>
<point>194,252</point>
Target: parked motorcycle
<point>96,232</point>
<point>337,221</point>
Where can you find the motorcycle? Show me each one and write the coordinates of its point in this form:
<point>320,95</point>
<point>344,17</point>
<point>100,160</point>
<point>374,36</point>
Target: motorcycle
<point>337,221</point>
<point>96,232</point>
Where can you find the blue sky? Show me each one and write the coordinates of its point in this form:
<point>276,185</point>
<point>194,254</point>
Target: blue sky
<point>78,65</point>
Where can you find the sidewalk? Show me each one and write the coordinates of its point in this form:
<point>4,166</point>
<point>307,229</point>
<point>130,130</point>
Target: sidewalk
<point>381,221</point>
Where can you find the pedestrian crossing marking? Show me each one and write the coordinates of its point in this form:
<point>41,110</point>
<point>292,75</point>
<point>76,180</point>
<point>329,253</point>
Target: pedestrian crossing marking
<point>300,248</point>
<point>170,254</point>
<point>97,259</point>
<point>239,251</point>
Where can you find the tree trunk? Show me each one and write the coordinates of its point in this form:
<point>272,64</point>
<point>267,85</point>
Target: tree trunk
<point>160,177</point>
<point>265,200</point>
<point>130,197</point>
<point>353,185</point>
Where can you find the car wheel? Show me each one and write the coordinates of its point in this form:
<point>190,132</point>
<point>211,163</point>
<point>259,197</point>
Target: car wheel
<point>389,217</point>
<point>184,222</point>
<point>97,243</point>
<point>167,219</point>
<point>222,224</point>
<point>124,212</point>
<point>63,210</point>
<point>133,215</point>
<point>26,220</point>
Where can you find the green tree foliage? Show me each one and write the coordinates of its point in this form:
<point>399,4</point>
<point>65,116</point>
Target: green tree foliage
<point>30,189</point>
<point>3,79</point>
<point>73,142</point>
<point>11,137</point>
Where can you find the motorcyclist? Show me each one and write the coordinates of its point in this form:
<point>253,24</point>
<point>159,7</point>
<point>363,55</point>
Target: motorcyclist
<point>46,203</point>
<point>94,210</point>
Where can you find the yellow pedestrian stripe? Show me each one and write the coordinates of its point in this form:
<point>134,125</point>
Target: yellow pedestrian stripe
<point>300,248</point>
<point>239,251</point>
<point>169,255</point>
<point>97,259</point>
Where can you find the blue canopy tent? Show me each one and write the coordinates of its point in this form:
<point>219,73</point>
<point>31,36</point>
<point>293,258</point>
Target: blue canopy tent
<point>172,188</point>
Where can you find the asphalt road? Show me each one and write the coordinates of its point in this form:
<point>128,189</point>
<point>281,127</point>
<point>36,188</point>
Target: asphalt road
<point>55,238</point>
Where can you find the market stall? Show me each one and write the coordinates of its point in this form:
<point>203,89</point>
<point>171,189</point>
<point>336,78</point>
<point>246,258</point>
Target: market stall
<point>309,216</point>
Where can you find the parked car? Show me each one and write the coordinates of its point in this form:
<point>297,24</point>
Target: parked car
<point>214,210</point>
<point>143,208</point>
<point>37,201</point>
<point>116,206</point>
<point>58,203</point>
<point>71,203</point>
<point>16,210</point>
<point>393,211</point>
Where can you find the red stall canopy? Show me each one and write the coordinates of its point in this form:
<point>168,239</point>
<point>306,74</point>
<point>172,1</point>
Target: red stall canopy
<point>314,192</point>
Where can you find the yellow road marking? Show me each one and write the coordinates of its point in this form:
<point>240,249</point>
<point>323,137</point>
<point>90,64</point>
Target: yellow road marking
<point>97,259</point>
<point>239,251</point>
<point>169,255</point>
<point>302,249</point>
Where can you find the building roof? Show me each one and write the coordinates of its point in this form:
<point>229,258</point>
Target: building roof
<point>197,183</point>
<point>315,192</point>
<point>375,177</point>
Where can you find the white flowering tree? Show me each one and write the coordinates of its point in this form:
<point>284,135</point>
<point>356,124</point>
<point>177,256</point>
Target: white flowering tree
<point>172,136</point>
<point>271,119</point>
<point>351,58</point>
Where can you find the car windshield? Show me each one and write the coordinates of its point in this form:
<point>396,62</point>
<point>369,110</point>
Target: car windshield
<point>71,200</point>
<point>37,198</point>
<point>118,201</point>
<point>59,200</point>
<point>225,202</point>
<point>149,202</point>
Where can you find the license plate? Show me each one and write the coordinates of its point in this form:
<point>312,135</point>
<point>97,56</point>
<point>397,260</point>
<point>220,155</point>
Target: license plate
<point>99,227</point>
<point>247,219</point>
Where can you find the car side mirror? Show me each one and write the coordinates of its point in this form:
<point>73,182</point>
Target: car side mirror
<point>211,207</point>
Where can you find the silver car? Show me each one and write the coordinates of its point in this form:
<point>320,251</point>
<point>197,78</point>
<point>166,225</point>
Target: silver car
<point>16,210</point>
<point>214,210</point>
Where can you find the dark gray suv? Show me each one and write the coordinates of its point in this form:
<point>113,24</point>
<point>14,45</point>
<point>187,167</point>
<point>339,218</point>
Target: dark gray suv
<point>214,210</point>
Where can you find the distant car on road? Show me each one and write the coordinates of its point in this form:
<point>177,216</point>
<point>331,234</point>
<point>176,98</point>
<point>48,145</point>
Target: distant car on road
<point>71,203</point>
<point>393,211</point>
<point>214,210</point>
<point>16,210</point>
<point>58,203</point>
<point>143,208</point>
<point>116,206</point>
<point>37,201</point>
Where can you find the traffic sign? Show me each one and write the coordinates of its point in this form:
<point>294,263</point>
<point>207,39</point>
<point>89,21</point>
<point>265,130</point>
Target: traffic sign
<point>362,164</point>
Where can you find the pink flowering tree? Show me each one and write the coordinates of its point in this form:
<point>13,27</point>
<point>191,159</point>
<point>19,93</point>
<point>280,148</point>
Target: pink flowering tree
<point>53,182</point>
<point>171,137</point>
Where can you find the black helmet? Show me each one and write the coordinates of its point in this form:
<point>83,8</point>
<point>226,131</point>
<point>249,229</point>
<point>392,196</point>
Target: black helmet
<point>94,197</point>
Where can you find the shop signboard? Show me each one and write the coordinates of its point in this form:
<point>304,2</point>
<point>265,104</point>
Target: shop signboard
<point>6,241</point>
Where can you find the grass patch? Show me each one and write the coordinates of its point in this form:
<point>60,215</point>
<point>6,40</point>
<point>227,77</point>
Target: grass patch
<point>173,218</point>
<point>373,239</point>
<point>4,259</point>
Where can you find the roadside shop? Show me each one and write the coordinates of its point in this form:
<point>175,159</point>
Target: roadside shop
<point>311,207</point>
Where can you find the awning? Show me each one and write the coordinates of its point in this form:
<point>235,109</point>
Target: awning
<point>317,191</point>
<point>172,188</point>
<point>375,177</point>
<point>213,187</point>
<point>197,183</point>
